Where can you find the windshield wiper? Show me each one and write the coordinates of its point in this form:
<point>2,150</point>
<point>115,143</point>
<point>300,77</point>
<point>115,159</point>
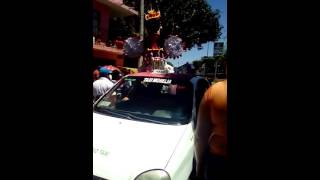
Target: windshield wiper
<point>146,119</point>
<point>141,118</point>
<point>128,115</point>
<point>117,114</point>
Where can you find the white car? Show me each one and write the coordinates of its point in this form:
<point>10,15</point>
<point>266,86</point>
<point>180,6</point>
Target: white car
<point>143,127</point>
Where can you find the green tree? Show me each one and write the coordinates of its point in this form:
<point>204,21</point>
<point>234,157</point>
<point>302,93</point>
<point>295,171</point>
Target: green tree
<point>192,20</point>
<point>209,63</point>
<point>122,27</point>
<point>197,64</point>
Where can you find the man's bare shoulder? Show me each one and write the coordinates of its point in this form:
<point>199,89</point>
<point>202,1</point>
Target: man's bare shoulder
<point>217,94</point>
<point>220,84</point>
<point>218,87</point>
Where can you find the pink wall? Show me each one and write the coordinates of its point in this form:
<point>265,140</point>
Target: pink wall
<point>104,19</point>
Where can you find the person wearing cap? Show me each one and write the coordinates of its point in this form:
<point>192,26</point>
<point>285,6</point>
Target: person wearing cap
<point>96,73</point>
<point>103,84</point>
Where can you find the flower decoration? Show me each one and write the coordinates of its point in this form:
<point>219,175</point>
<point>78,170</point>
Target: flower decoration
<point>173,47</point>
<point>133,47</point>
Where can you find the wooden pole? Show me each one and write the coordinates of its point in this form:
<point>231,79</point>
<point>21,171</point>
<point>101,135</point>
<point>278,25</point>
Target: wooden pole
<point>141,28</point>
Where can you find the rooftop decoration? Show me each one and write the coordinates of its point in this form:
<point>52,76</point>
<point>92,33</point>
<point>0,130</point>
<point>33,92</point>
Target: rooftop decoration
<point>154,53</point>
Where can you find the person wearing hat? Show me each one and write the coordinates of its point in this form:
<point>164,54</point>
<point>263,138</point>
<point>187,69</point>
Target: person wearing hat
<point>103,84</point>
<point>96,73</point>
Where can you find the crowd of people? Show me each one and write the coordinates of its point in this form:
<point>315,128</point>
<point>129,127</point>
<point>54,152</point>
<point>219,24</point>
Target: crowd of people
<point>104,79</point>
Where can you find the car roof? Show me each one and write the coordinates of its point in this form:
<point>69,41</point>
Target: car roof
<point>158,75</point>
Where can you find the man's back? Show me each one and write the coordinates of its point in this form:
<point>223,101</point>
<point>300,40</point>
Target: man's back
<point>211,132</point>
<point>100,86</point>
<point>212,120</point>
<point>217,101</point>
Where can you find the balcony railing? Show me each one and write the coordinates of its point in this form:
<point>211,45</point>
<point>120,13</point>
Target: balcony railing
<point>103,47</point>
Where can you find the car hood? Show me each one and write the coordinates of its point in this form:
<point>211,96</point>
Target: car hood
<point>122,148</point>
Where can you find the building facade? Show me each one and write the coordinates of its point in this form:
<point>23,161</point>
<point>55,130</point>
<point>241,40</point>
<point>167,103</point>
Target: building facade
<point>103,10</point>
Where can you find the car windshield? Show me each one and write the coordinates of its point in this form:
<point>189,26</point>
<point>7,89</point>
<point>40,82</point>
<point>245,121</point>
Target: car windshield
<point>156,100</point>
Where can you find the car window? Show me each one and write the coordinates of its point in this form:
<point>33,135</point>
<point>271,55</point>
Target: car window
<point>164,100</point>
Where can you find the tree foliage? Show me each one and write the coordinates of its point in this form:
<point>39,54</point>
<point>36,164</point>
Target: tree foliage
<point>208,62</point>
<point>192,20</point>
<point>197,64</point>
<point>122,27</point>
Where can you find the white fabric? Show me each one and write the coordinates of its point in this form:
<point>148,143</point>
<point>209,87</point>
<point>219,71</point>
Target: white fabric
<point>169,68</point>
<point>101,86</point>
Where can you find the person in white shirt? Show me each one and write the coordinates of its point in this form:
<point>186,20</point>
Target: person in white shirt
<point>103,84</point>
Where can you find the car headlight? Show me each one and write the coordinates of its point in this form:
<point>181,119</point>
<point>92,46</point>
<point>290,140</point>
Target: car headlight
<point>156,174</point>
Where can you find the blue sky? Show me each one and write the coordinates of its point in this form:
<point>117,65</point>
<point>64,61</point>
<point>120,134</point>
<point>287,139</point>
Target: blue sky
<point>194,53</point>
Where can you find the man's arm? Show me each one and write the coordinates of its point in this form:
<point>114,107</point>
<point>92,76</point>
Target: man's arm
<point>202,133</point>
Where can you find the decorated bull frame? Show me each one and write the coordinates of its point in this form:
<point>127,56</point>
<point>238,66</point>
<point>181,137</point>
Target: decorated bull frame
<point>154,56</point>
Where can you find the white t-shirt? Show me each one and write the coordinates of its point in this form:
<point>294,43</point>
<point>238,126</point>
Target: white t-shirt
<point>101,86</point>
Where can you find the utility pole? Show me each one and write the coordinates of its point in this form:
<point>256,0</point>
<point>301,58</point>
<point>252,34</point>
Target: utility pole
<point>208,49</point>
<point>141,28</point>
